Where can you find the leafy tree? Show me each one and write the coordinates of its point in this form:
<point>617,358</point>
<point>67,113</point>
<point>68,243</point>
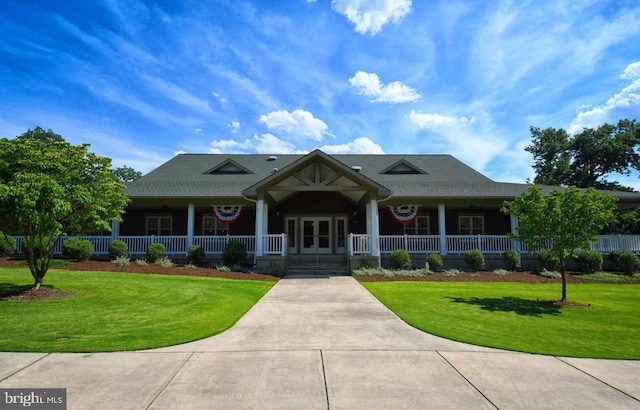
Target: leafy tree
<point>567,220</point>
<point>50,188</point>
<point>587,158</point>
<point>126,174</point>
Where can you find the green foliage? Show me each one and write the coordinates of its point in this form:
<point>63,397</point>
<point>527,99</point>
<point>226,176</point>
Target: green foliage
<point>569,220</point>
<point>628,262</point>
<point>435,261</point>
<point>121,261</point>
<point>474,259</point>
<point>8,244</point>
<point>142,262</point>
<point>126,174</point>
<point>273,269</point>
<point>165,262</point>
<point>233,253</point>
<point>589,261</point>
<point>79,249</point>
<point>586,158</point>
<point>511,259</point>
<point>196,254</point>
<point>50,188</point>
<point>548,261</point>
<point>118,248</point>
<point>400,260</point>
<point>155,251</point>
<point>551,274</point>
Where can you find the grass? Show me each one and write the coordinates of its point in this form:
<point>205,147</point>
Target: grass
<point>508,315</point>
<point>111,311</point>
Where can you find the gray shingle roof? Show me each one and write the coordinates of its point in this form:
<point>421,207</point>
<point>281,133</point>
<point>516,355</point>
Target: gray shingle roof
<point>185,176</point>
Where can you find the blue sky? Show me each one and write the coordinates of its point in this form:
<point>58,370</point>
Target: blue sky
<point>144,80</point>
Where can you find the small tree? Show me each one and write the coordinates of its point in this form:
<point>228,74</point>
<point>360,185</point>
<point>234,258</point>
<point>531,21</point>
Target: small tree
<point>49,188</point>
<point>569,220</point>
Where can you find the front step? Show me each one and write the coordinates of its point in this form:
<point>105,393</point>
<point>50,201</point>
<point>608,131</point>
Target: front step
<point>317,265</point>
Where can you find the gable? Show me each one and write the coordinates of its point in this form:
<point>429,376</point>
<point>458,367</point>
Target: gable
<point>228,167</point>
<point>402,167</point>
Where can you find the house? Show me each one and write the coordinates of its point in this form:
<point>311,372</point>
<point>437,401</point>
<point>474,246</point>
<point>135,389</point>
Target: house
<point>344,210</point>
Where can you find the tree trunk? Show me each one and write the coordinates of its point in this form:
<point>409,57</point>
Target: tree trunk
<point>564,281</point>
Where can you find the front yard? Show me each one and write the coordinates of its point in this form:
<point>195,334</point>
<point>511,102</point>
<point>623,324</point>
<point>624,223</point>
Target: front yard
<point>518,316</point>
<point>111,311</point>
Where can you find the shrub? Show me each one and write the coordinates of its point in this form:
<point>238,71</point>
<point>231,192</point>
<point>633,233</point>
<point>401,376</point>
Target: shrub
<point>548,261</point>
<point>474,259</point>
<point>551,274</point>
<point>500,272</point>
<point>233,253</point>
<point>142,262</point>
<point>589,261</point>
<point>196,254</point>
<point>155,250</point>
<point>78,249</point>
<point>452,272</point>
<point>435,261</point>
<point>273,269</point>
<point>118,248</point>
<point>8,244</point>
<point>121,261</point>
<point>164,262</point>
<point>400,259</point>
<point>511,259</point>
<point>628,262</point>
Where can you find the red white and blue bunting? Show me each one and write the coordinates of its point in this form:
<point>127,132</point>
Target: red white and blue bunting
<point>404,213</point>
<point>227,214</point>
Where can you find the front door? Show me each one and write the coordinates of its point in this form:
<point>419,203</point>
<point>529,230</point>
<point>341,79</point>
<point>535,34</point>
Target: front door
<point>315,234</point>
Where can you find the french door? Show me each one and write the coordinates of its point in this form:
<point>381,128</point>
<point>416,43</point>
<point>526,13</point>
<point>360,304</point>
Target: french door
<point>315,235</point>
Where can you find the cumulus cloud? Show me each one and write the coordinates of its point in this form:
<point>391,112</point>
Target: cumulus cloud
<point>235,126</point>
<point>369,84</point>
<point>362,145</point>
<point>624,104</point>
<point>299,123</point>
<point>425,120</point>
<point>260,144</point>
<point>371,15</point>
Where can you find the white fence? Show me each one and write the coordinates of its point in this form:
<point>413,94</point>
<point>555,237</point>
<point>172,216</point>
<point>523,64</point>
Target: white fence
<point>359,244</point>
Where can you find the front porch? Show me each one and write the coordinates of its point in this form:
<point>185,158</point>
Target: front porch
<point>358,246</point>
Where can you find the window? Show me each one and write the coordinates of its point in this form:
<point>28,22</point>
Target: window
<point>212,226</point>
<point>159,225</point>
<point>471,224</point>
<point>419,226</point>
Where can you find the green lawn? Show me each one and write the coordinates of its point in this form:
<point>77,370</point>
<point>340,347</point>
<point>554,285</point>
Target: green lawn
<point>120,311</point>
<point>507,315</point>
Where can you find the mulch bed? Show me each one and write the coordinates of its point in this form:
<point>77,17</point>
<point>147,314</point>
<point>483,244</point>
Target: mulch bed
<point>97,265</point>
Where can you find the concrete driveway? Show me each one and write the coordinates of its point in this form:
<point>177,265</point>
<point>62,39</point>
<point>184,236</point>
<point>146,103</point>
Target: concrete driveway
<point>325,343</point>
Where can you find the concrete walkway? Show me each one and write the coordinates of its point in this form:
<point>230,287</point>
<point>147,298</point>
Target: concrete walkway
<point>325,343</point>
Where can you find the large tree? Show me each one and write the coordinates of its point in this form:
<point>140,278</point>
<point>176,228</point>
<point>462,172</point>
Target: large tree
<point>566,221</point>
<point>587,158</point>
<point>50,188</point>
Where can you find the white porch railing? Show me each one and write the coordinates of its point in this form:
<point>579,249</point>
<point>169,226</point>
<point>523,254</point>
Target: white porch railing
<point>273,244</point>
<point>358,244</point>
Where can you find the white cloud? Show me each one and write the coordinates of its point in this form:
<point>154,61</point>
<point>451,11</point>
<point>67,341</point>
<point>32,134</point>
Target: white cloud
<point>362,145</point>
<point>235,126</point>
<point>260,144</point>
<point>299,123</point>
<point>371,15</point>
<point>370,85</point>
<point>425,120</point>
<point>622,105</point>
<point>632,72</point>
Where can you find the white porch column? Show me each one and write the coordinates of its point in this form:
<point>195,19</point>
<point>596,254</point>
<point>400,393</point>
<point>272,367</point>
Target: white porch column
<point>260,224</point>
<point>373,226</point>
<point>115,229</point>
<point>442,229</point>
<point>191,222</point>
<point>514,230</point>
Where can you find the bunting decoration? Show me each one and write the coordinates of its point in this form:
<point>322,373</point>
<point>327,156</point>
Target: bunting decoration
<point>404,214</point>
<point>227,214</point>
